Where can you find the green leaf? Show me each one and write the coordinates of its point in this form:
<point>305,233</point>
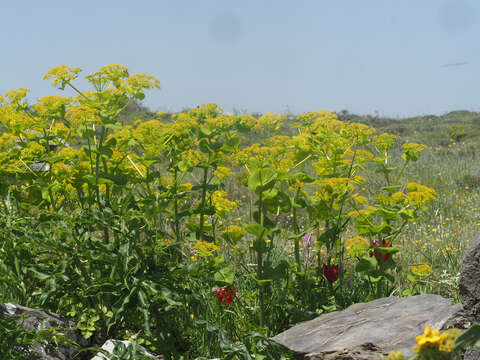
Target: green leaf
<point>372,278</point>
<point>118,179</point>
<point>261,180</point>
<point>106,151</point>
<point>280,201</point>
<point>225,275</point>
<point>267,222</point>
<point>205,130</point>
<point>256,229</point>
<point>392,188</point>
<point>366,263</point>
<point>205,147</point>
<point>231,144</point>
<point>278,272</point>
<point>408,214</point>
<point>471,337</point>
<point>93,180</point>
<point>326,237</point>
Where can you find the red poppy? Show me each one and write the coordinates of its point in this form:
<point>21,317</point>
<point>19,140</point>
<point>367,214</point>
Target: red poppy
<point>225,295</point>
<point>330,272</point>
<point>378,253</point>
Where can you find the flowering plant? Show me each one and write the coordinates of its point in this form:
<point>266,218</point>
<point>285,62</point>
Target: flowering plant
<point>330,271</point>
<point>226,295</point>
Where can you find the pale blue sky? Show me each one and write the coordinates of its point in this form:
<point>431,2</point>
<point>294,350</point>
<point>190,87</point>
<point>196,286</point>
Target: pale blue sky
<point>365,56</point>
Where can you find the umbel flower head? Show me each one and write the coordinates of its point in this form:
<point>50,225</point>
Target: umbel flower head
<point>226,295</point>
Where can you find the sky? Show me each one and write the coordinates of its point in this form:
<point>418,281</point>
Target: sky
<point>385,57</point>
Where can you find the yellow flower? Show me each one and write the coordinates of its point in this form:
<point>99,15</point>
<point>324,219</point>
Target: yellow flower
<point>83,115</point>
<point>52,107</point>
<point>420,194</point>
<point>399,197</point>
<point>205,248</point>
<point>430,338</point>
<point>384,141</point>
<point>62,74</point>
<point>412,150</point>
<point>356,246</point>
<point>359,199</point>
<point>421,269</point>
<point>223,172</point>
<point>269,122</point>
<point>223,206</point>
<point>32,150</point>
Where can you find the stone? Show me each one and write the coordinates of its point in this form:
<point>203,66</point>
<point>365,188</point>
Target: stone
<point>472,354</point>
<point>469,284</point>
<point>37,320</point>
<point>121,345</point>
<point>366,331</point>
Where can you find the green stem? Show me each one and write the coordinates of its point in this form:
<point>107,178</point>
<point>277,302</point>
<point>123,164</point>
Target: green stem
<point>401,172</point>
<point>204,195</point>
<point>260,264</point>
<point>175,205</point>
<point>297,247</point>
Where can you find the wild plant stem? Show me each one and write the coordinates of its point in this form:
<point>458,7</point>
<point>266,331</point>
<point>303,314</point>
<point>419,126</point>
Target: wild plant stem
<point>260,264</point>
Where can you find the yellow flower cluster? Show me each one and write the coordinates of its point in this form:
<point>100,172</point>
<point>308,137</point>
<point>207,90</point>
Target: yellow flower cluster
<point>431,345</point>
<point>384,142</point>
<point>205,248</point>
<point>223,172</point>
<point>223,206</point>
<point>83,115</point>
<point>433,340</point>
<point>356,246</point>
<point>61,74</point>
<point>421,269</point>
<point>419,194</point>
<point>412,150</point>
<point>334,189</point>
<point>269,122</point>
<point>51,107</point>
<point>32,150</point>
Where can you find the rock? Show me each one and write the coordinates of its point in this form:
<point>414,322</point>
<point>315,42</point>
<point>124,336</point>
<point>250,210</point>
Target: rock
<point>469,284</point>
<point>365,331</point>
<point>118,346</point>
<point>37,320</point>
<point>472,354</point>
<point>457,321</point>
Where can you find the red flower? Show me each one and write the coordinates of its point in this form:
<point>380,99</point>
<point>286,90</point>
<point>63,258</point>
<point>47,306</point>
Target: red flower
<point>330,272</point>
<point>378,253</point>
<point>225,295</point>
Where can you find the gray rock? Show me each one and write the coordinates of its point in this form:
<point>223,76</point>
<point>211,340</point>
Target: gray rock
<point>469,285</point>
<point>37,320</point>
<point>472,354</point>
<point>457,321</point>
<point>367,330</point>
